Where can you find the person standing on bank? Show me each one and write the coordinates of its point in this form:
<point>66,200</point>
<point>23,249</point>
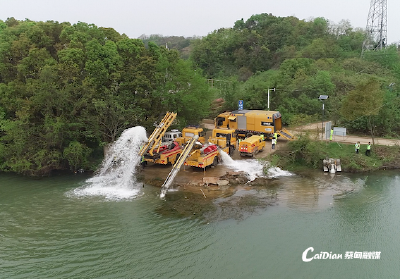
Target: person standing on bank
<point>273,141</point>
<point>357,147</point>
<point>368,151</point>
<point>331,136</point>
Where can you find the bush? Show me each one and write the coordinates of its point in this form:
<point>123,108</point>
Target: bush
<point>77,155</point>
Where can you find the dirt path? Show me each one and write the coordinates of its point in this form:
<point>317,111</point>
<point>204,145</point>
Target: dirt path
<point>315,128</point>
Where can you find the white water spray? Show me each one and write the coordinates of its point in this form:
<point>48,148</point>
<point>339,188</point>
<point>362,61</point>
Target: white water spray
<point>116,179</point>
<point>254,168</point>
<point>277,172</point>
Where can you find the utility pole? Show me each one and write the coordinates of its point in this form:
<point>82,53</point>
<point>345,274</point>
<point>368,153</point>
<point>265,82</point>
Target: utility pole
<point>323,98</point>
<point>376,30</point>
<point>272,89</point>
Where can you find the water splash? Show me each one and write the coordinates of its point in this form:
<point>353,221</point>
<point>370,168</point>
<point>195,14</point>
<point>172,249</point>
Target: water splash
<point>277,172</point>
<point>116,178</point>
<point>254,168</point>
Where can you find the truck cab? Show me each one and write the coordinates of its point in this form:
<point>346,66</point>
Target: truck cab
<point>189,132</point>
<point>171,136</point>
<point>225,139</point>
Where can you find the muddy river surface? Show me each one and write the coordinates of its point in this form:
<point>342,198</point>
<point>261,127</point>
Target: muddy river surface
<point>67,227</point>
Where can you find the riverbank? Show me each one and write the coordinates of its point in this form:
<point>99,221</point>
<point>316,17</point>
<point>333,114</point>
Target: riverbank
<point>195,191</point>
<point>309,150</point>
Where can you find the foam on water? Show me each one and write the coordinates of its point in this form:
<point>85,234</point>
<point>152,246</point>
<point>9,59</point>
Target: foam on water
<point>277,172</point>
<point>254,168</point>
<point>116,178</point>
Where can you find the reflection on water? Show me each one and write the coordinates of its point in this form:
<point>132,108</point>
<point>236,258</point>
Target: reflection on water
<point>47,234</point>
<point>316,191</point>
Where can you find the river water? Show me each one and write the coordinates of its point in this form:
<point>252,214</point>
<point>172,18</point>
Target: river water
<point>49,229</point>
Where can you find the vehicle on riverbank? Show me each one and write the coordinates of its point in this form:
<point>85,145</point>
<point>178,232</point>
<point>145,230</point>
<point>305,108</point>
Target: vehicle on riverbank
<point>253,122</point>
<point>251,146</point>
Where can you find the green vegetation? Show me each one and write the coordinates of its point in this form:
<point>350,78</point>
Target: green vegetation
<point>68,90</point>
<point>309,153</point>
<point>302,60</point>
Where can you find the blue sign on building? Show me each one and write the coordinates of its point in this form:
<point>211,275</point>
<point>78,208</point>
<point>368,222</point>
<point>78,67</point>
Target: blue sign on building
<point>240,104</point>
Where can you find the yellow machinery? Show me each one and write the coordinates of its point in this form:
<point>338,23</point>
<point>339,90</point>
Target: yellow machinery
<point>189,132</point>
<point>203,156</point>
<point>154,151</point>
<point>253,122</point>
<point>251,146</point>
<point>194,154</point>
<point>178,164</point>
<point>224,138</point>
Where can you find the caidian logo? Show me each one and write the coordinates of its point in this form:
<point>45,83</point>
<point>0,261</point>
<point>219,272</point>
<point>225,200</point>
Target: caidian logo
<point>321,256</point>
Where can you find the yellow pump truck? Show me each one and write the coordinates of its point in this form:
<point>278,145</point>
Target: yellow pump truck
<point>253,122</point>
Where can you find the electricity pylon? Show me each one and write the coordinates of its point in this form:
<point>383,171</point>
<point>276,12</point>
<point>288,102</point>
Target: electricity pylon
<point>376,31</point>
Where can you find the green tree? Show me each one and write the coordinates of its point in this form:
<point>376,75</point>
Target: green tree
<point>365,100</point>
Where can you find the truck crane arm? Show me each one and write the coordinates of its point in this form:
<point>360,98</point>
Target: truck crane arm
<point>156,137</point>
<point>178,164</point>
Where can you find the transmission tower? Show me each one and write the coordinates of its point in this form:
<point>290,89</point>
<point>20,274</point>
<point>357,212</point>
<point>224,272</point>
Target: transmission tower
<point>376,31</point>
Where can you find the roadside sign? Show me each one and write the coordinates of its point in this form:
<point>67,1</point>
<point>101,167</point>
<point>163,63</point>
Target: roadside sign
<point>240,104</point>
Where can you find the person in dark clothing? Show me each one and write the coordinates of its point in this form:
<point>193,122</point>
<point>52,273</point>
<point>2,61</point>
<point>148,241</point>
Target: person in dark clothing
<point>368,151</point>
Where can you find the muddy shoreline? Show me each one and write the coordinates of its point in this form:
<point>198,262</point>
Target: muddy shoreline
<point>235,197</point>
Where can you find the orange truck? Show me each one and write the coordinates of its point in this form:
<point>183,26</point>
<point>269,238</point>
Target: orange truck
<point>251,146</point>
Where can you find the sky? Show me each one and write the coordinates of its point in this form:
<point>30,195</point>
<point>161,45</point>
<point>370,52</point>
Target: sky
<point>190,18</point>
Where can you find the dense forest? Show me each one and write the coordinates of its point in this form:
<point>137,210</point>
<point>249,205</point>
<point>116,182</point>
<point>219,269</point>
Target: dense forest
<point>67,90</point>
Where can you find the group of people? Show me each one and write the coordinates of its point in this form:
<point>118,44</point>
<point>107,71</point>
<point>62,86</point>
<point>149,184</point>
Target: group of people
<point>357,145</point>
<point>367,151</point>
